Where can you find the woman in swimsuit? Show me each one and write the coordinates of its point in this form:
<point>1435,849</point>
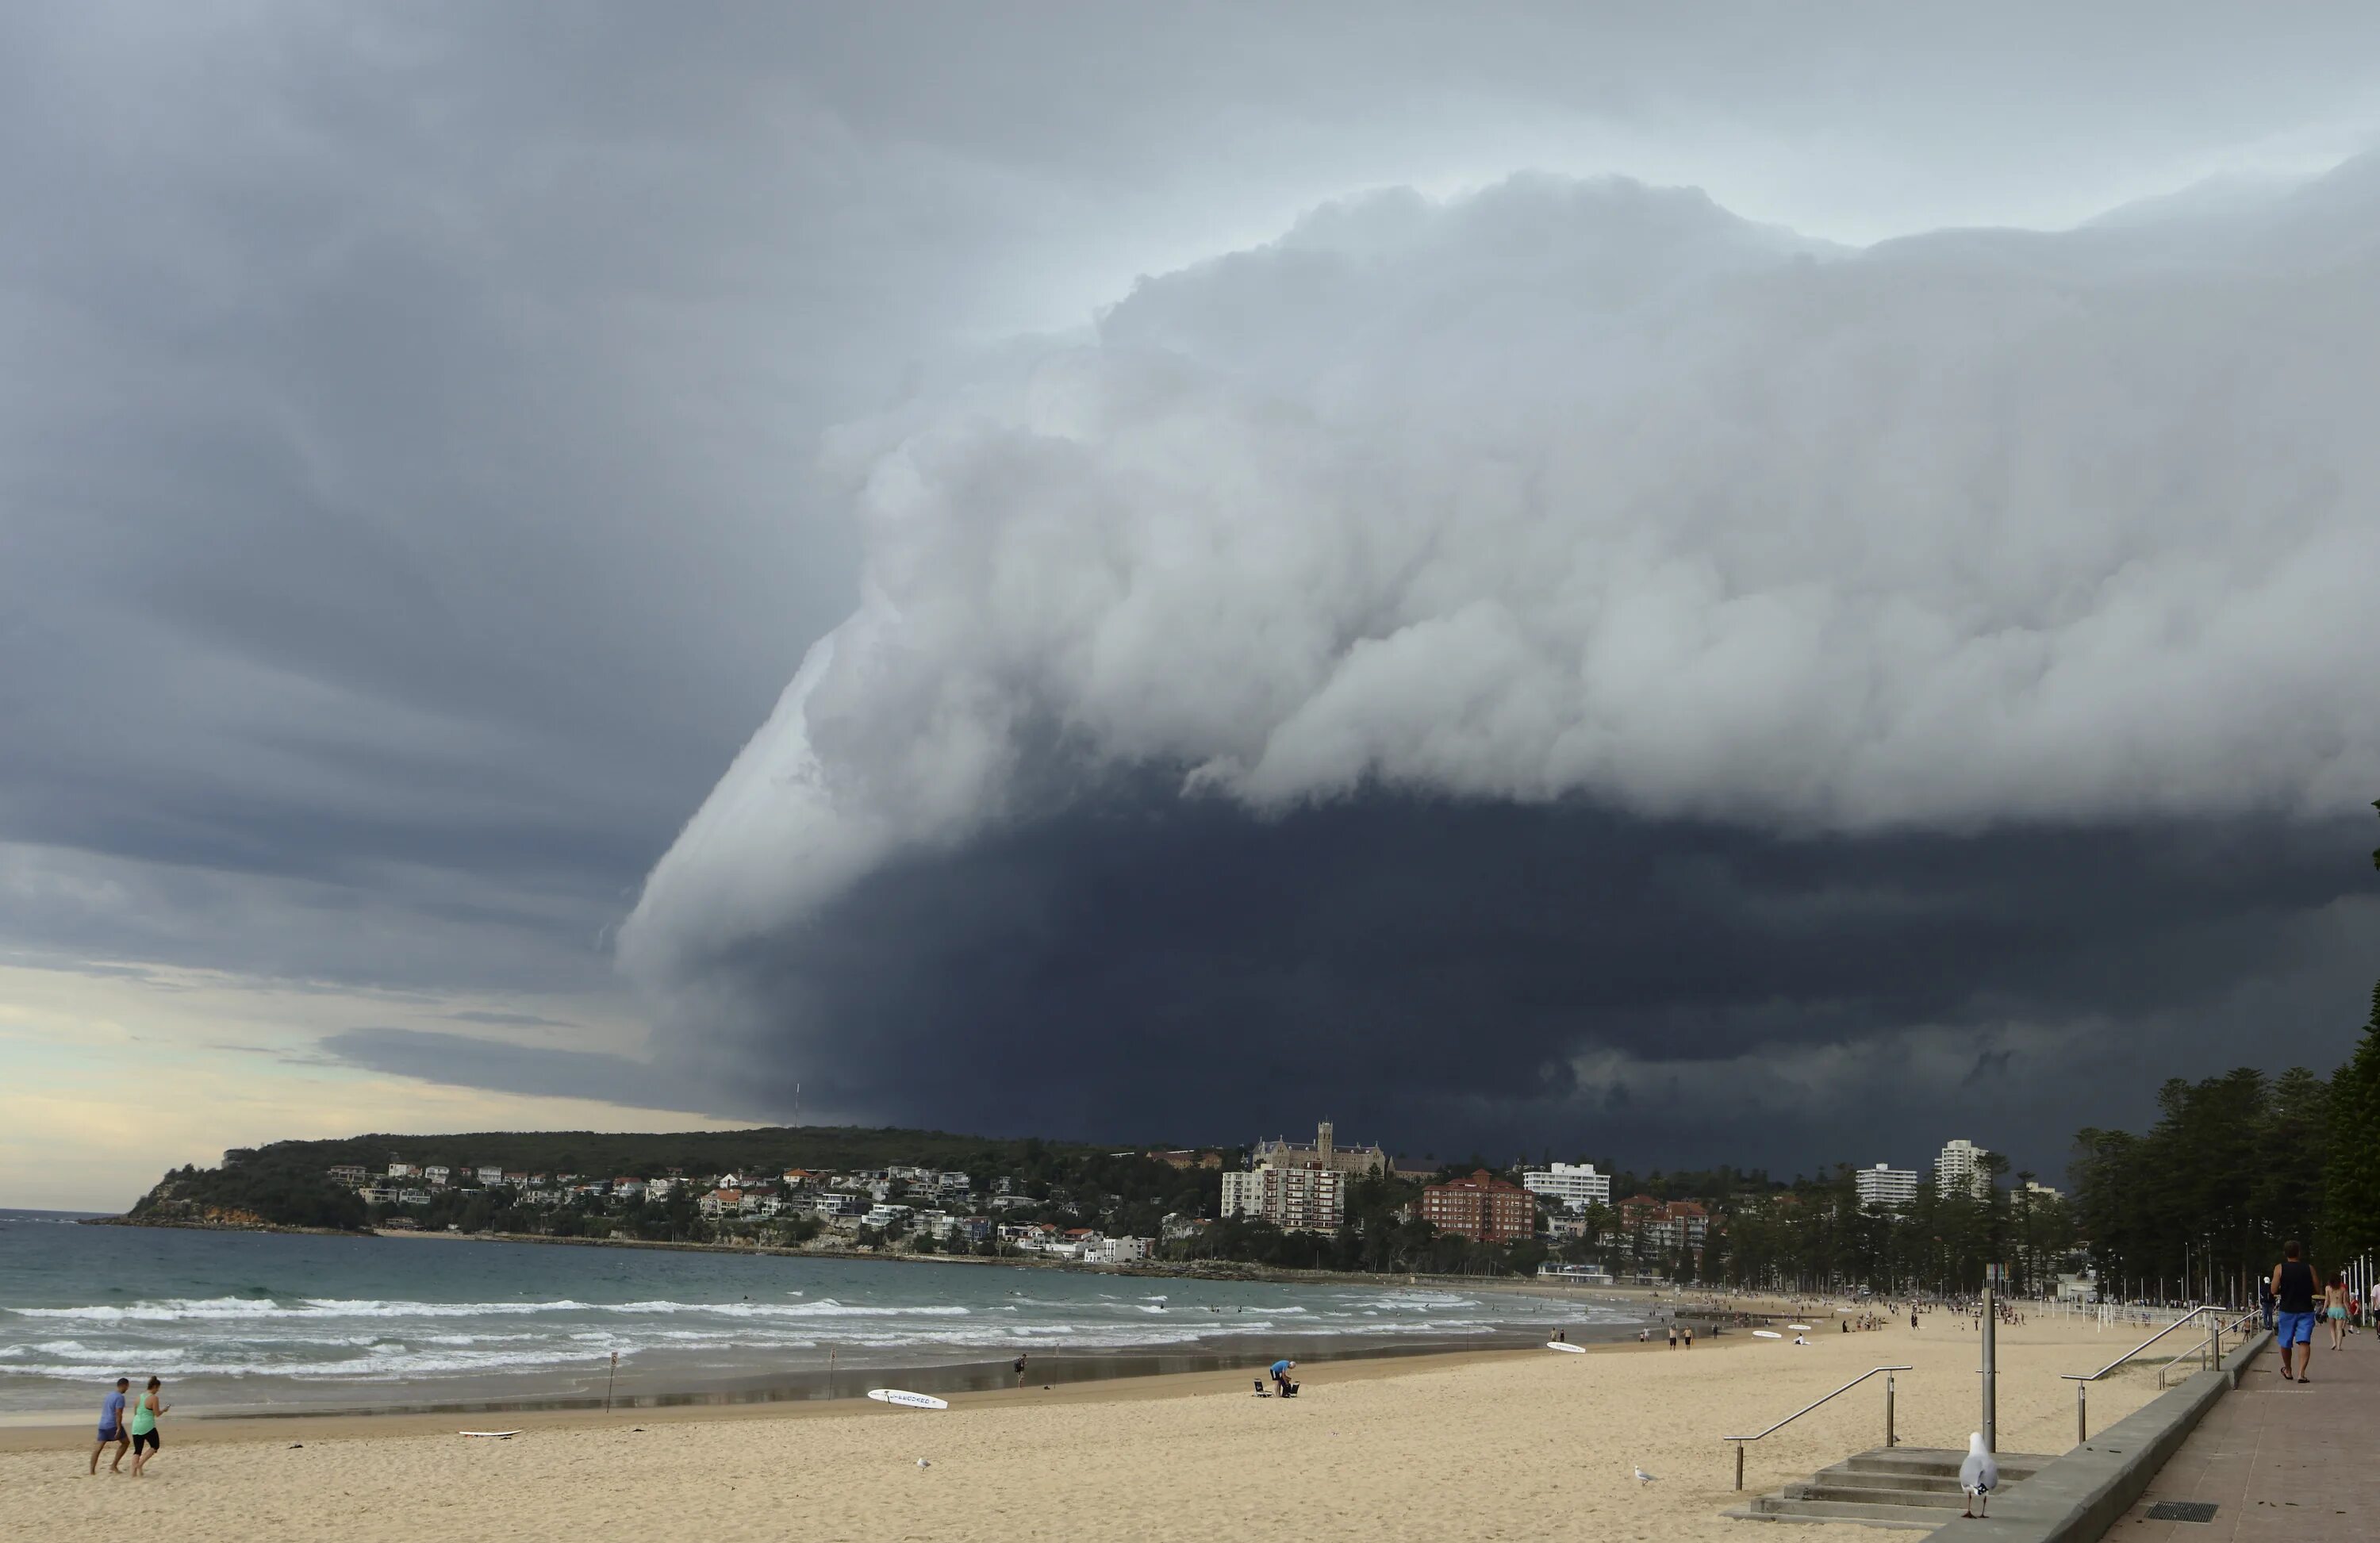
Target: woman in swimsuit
<point>144,1427</point>
<point>2334,1303</point>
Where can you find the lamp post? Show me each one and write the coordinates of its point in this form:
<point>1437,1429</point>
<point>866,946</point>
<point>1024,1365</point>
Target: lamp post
<point>1990,1372</point>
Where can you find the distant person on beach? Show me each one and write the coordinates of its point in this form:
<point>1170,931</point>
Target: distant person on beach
<point>1913,1320</point>
<point>1673,1336</point>
<point>1020,1370</point>
<point>1690,1336</point>
<point>2293,1298</point>
<point>145,1411</point>
<point>111,1428</point>
<point>1280,1374</point>
<point>2334,1299</point>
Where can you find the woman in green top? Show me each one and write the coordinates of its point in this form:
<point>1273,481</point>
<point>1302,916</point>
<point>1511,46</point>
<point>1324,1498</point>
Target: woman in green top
<point>145,1411</point>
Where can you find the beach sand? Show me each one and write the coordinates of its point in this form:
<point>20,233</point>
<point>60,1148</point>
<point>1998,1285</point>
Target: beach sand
<point>1489,1445</point>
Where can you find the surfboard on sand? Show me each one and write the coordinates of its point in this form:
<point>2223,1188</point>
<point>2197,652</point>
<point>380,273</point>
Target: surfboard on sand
<point>1565,1345</point>
<point>905,1400</point>
<point>1766,1334</point>
<point>491,1435</point>
<point>1799,1328</point>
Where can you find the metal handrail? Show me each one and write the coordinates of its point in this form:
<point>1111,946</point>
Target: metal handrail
<point>2082,1380</point>
<point>1797,1413</point>
<point>2095,1376</point>
<point>2207,1357</point>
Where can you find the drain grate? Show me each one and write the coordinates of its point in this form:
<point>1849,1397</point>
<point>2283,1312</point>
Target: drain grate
<point>2182,1510</point>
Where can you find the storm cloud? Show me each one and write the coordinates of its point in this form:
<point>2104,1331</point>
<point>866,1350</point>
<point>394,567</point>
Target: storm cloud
<point>1592,496</point>
<point>433,439</point>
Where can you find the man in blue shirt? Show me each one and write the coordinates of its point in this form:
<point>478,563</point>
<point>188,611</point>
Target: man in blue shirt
<point>1281,1378</point>
<point>111,1428</point>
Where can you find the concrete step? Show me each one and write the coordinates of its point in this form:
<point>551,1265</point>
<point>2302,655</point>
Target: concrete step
<point>1769,1509</point>
<point>1938,1463</point>
<point>1887,1478</point>
<point>1911,1487</point>
<point>1922,1500</point>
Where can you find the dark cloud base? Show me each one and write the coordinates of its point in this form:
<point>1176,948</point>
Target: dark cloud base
<point>1424,971</point>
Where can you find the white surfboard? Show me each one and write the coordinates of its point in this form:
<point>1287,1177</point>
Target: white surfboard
<point>1799,1328</point>
<point>1766,1334</point>
<point>905,1400</point>
<point>1565,1345</point>
<point>492,1435</point>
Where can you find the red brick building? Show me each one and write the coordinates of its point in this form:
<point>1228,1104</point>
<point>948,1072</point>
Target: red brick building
<point>1483,1209</point>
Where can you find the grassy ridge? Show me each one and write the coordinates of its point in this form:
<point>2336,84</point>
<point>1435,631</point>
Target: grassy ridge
<point>289,1184</point>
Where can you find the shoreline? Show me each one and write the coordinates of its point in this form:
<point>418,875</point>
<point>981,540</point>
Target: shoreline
<point>1049,1383</point>
<point>654,1391</point>
<point>1471,1443</point>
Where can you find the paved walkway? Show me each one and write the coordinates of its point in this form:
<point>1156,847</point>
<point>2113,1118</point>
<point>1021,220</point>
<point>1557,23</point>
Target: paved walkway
<point>2278,1460</point>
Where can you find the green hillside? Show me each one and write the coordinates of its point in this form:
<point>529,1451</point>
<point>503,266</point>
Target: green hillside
<point>288,1183</point>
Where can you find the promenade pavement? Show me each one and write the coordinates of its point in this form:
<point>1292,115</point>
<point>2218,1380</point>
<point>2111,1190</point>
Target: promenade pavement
<point>2278,1460</point>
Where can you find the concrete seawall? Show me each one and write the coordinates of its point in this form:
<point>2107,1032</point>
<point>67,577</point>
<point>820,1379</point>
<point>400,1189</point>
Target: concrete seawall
<point>2078,1498</point>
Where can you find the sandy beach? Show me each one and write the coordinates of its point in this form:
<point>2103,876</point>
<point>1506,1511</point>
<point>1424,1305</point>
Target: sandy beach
<point>1489,1445</point>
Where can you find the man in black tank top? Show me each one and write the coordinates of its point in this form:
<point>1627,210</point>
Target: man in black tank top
<point>2294,1288</point>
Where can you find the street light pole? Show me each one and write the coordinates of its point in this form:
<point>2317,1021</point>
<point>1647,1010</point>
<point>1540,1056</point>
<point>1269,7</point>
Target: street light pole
<point>1991,1369</point>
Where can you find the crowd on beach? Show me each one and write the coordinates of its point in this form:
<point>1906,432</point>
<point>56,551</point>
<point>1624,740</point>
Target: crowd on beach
<point>135,1433</point>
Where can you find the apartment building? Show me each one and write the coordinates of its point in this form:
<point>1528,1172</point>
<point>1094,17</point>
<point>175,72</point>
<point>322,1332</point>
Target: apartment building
<point>1295,1200</point>
<point>1961,1168</point>
<point>1890,1190</point>
<point>1572,1185</point>
<point>1482,1207</point>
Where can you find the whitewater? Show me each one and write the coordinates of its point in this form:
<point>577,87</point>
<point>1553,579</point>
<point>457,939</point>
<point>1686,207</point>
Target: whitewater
<point>266,1319</point>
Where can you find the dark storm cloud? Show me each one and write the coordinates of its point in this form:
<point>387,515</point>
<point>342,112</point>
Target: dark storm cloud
<point>1900,608</point>
<point>408,454</point>
<point>1451,976</point>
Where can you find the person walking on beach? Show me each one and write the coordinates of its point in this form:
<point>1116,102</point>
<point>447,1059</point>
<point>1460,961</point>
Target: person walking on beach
<point>145,1411</point>
<point>111,1428</point>
<point>1690,1336</point>
<point>1020,1370</point>
<point>2293,1297</point>
<point>2334,1302</point>
<point>1673,1336</point>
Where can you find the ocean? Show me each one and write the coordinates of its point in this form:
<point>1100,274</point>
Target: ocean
<point>254,1322</point>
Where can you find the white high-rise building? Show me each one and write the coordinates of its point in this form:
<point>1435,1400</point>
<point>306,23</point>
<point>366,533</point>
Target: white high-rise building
<point>1294,1199</point>
<point>1573,1185</point>
<point>1960,1166</point>
<point>1890,1189</point>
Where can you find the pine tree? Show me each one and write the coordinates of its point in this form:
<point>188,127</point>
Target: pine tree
<point>2354,1166</point>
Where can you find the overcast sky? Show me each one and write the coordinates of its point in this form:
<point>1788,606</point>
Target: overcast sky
<point>1666,584</point>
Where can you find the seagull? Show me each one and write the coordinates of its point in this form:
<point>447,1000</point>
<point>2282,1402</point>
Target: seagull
<point>922,1464</point>
<point>1642,1476</point>
<point>1978,1475</point>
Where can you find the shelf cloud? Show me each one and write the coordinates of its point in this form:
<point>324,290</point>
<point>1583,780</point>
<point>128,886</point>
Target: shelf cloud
<point>1591,497</point>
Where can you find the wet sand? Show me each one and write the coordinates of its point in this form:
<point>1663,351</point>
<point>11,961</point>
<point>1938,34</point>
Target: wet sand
<point>1489,1444</point>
